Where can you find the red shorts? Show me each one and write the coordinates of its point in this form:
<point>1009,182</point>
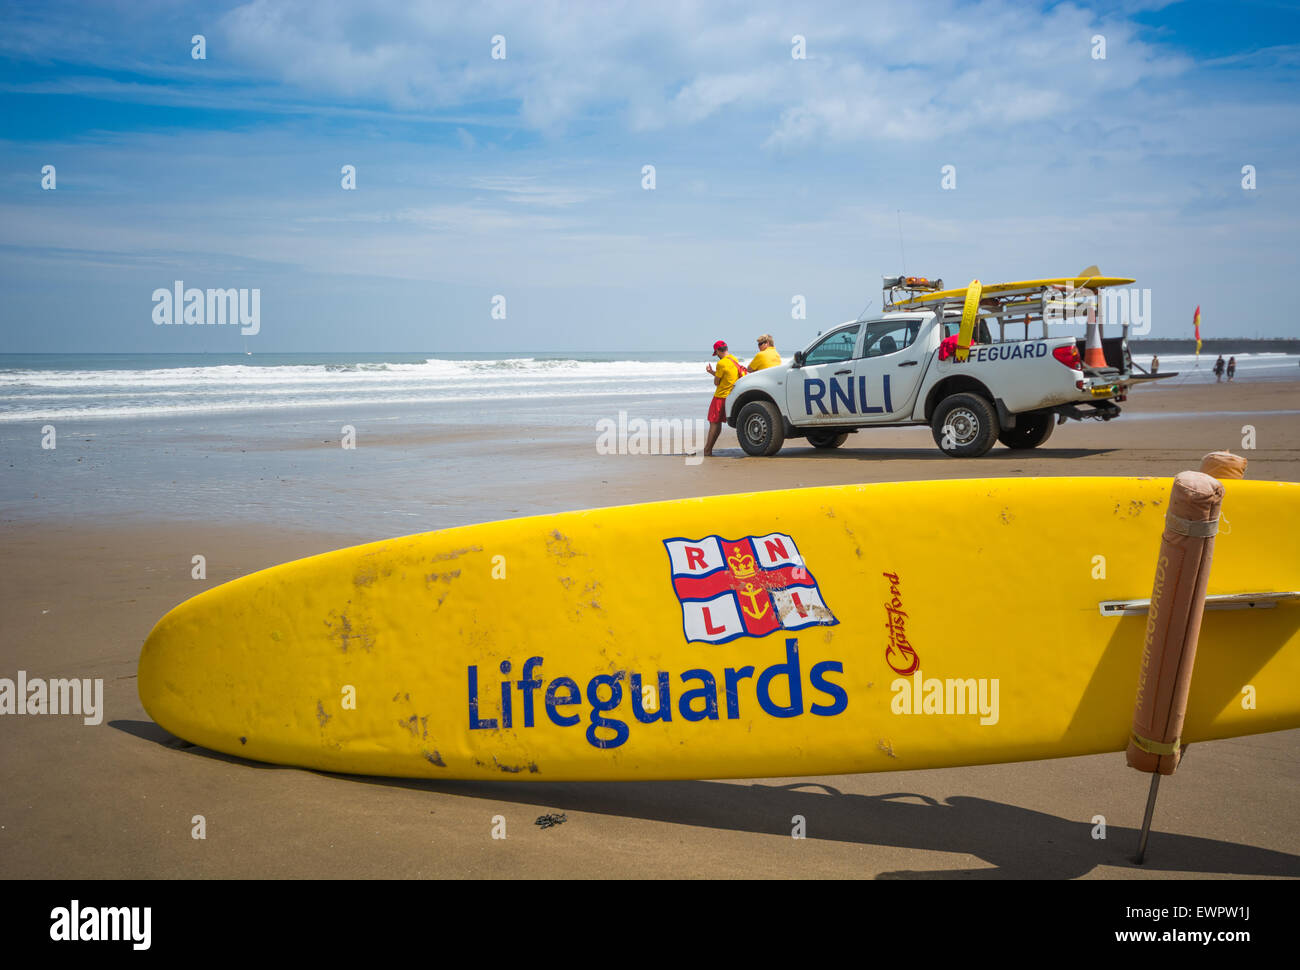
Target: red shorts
<point>717,410</point>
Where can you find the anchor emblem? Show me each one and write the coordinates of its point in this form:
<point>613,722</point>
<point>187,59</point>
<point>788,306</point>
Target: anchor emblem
<point>751,593</point>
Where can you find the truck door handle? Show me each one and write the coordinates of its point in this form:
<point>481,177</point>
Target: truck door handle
<point>839,372</point>
<point>908,363</point>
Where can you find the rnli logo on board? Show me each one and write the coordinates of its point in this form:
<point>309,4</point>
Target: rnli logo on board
<point>746,587</point>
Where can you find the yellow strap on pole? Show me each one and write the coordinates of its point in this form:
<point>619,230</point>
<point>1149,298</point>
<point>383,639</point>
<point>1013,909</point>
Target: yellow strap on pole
<point>1155,747</point>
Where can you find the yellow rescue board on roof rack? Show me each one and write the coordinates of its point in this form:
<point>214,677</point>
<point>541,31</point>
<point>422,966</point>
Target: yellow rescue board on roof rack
<point>1006,289</point>
<point>803,632</point>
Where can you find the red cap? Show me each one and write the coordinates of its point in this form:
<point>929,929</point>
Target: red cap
<point>719,345</point>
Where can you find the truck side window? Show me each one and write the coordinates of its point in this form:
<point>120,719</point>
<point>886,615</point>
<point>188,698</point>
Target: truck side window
<point>952,328</point>
<point>834,347</point>
<point>889,337</point>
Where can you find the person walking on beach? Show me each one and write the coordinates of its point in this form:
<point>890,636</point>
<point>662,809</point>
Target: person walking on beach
<point>1232,367</point>
<point>1218,369</point>
<point>1155,363</point>
<point>766,356</point>
<point>724,378</point>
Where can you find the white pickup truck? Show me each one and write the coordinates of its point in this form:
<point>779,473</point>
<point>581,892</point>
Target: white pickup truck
<point>886,372</point>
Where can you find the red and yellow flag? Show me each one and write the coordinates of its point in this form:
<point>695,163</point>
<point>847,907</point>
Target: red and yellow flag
<point>1196,323</point>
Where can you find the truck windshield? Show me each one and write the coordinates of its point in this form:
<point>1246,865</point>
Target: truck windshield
<point>834,347</point>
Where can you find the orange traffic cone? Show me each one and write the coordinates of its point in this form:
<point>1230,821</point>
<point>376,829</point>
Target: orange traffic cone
<point>1093,355</point>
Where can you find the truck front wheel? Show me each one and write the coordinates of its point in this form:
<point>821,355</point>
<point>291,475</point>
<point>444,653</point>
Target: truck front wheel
<point>964,426</point>
<point>759,428</point>
<point>1031,430</point>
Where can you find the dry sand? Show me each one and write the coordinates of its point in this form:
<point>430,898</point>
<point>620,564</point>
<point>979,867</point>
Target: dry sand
<point>118,800</point>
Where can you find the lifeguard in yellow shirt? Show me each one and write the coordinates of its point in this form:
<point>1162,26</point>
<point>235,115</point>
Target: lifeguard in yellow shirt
<point>724,378</point>
<point>766,356</point>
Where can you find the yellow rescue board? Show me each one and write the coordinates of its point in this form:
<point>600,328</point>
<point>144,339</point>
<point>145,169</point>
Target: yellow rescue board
<point>810,631</point>
<point>969,312</point>
<point>1002,289</point>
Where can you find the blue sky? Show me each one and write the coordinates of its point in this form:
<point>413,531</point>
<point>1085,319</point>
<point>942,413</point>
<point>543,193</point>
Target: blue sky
<point>522,176</point>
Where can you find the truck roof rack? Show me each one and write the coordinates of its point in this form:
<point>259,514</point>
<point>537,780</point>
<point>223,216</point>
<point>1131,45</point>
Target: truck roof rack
<point>1029,302</point>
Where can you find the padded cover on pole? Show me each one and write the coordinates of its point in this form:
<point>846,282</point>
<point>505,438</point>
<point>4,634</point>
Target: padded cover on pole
<point>1174,622</point>
<point>1224,464</point>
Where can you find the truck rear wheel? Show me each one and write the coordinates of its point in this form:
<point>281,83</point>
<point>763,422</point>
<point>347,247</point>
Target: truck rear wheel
<point>828,439</point>
<point>1031,430</point>
<point>759,428</point>
<point>965,426</point>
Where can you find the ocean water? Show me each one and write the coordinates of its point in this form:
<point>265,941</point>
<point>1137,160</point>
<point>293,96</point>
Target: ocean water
<point>449,388</point>
<point>50,387</point>
<point>440,440</point>
<point>1250,367</point>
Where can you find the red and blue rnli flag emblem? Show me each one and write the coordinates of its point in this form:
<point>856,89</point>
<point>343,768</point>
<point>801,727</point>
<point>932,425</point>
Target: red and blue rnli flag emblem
<point>746,587</point>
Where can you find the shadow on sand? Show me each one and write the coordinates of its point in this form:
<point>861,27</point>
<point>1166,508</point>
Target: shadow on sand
<point>934,454</point>
<point>1016,842</point>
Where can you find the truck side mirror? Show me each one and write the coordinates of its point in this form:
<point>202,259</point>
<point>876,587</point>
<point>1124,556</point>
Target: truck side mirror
<point>798,358</point>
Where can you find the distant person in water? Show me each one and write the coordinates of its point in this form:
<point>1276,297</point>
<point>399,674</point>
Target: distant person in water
<point>1155,364</point>
<point>1218,369</point>
<point>1232,367</point>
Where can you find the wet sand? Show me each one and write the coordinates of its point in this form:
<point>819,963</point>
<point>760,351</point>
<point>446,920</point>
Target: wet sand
<point>119,799</point>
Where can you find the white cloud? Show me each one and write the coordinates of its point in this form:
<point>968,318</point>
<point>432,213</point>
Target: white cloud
<point>867,76</point>
<point>897,70</point>
<point>528,190</point>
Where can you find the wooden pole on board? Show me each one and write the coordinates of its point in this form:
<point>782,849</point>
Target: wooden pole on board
<point>1174,623</point>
